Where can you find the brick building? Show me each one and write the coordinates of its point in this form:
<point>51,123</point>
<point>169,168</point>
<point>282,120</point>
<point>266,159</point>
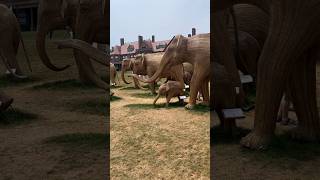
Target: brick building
<point>26,12</point>
<point>130,49</point>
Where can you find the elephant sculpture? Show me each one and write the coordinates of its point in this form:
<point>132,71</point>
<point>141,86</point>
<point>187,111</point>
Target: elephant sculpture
<point>169,89</point>
<point>5,101</point>
<point>289,57</point>
<point>10,39</point>
<point>126,65</point>
<point>194,50</point>
<point>87,20</point>
<point>148,64</point>
<point>113,74</point>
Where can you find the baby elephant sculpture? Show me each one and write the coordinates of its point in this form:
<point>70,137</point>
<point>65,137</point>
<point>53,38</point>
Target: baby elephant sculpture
<point>170,89</point>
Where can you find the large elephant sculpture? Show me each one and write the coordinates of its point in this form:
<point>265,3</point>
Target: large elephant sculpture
<point>194,50</point>
<point>126,65</point>
<point>88,22</point>
<point>10,40</point>
<point>288,57</point>
<point>148,64</point>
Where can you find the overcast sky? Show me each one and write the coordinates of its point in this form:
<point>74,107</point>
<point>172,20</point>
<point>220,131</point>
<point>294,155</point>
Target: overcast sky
<point>162,18</point>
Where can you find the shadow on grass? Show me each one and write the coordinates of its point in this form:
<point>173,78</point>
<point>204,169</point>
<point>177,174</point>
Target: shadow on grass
<point>115,98</point>
<point>151,106</point>
<point>69,84</point>
<point>14,117</point>
<point>143,95</point>
<point>129,88</point>
<point>116,87</point>
<point>12,81</point>
<point>91,107</point>
<point>197,109</point>
<point>283,147</point>
<point>81,140</point>
<point>219,136</point>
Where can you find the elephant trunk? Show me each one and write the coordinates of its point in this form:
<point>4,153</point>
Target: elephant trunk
<point>138,84</point>
<point>97,55</point>
<point>123,70</point>
<point>85,66</point>
<point>41,48</point>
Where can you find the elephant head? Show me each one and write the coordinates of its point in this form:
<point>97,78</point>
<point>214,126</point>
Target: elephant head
<point>139,64</point>
<point>53,15</point>
<point>91,24</point>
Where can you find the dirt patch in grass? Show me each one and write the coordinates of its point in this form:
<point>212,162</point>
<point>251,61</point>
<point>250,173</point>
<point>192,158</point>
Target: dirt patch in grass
<point>91,107</point>
<point>81,140</point>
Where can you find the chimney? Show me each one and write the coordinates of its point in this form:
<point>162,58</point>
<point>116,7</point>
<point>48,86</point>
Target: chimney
<point>189,35</point>
<point>193,31</point>
<point>153,38</point>
<point>121,41</point>
<point>140,40</point>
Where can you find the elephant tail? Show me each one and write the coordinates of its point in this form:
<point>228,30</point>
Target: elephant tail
<point>25,52</point>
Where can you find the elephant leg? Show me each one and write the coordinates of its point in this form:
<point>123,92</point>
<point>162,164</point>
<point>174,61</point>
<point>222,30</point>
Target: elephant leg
<point>136,82</point>
<point>272,77</point>
<point>205,93</point>
<point>9,53</point>
<point>168,98</point>
<point>195,86</point>
<point>303,89</point>
<point>152,87</point>
<point>87,73</point>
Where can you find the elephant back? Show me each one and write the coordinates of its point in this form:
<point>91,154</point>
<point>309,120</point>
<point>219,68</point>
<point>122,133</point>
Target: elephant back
<point>252,20</point>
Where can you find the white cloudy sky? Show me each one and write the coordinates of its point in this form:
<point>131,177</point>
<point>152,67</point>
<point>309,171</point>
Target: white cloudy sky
<point>162,18</point>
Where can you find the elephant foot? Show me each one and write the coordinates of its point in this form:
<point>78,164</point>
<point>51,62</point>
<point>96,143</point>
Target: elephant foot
<point>303,134</point>
<point>255,141</point>
<point>189,106</point>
